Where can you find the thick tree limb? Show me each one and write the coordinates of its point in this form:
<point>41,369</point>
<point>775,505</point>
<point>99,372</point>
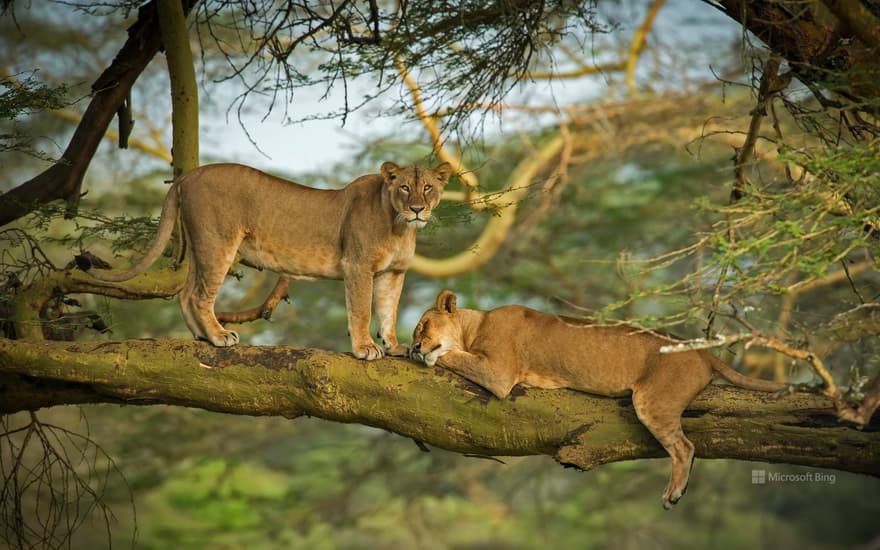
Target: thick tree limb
<point>431,405</point>
<point>815,40</point>
<point>861,20</point>
<point>63,179</point>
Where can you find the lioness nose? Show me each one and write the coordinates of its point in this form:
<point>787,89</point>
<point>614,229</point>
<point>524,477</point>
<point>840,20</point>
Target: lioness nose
<point>416,209</point>
<point>418,347</point>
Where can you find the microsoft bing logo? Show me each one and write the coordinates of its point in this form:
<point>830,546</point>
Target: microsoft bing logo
<point>759,477</point>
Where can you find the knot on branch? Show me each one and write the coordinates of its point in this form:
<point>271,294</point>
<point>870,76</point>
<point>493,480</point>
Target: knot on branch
<point>87,261</point>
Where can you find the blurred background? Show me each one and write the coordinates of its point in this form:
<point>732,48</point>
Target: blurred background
<point>642,158</point>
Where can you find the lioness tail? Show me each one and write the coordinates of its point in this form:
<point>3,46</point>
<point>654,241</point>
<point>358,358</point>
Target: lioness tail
<point>163,235</point>
<point>742,380</point>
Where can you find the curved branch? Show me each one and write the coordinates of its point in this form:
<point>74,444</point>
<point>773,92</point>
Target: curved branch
<point>431,405</point>
<point>430,123</point>
<point>262,311</point>
<point>497,228</point>
<point>640,38</point>
<point>27,304</point>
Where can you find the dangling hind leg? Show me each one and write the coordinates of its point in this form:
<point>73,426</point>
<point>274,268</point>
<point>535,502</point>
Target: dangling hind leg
<point>666,428</point>
<point>667,387</point>
<point>199,293</point>
<point>663,420</point>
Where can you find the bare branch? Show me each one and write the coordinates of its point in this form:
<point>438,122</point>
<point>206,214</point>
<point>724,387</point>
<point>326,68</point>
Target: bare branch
<point>264,310</point>
<point>640,38</point>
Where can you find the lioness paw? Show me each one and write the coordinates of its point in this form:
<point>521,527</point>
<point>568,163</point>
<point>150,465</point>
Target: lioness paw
<point>369,352</point>
<point>225,339</point>
<point>671,497</point>
<point>398,350</point>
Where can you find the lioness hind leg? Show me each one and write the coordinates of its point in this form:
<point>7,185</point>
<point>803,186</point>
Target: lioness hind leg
<point>184,297</point>
<point>664,423</point>
<point>199,293</point>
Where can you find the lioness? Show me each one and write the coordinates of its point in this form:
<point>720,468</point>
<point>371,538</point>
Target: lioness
<point>513,345</point>
<point>364,234</point>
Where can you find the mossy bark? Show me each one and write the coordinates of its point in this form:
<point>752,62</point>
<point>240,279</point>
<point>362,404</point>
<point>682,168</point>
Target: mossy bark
<point>28,304</point>
<point>431,405</point>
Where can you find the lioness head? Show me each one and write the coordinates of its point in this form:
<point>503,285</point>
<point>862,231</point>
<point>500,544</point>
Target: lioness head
<point>438,330</point>
<point>415,190</point>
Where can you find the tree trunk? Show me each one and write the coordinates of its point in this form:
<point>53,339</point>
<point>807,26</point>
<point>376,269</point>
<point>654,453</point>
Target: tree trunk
<point>184,91</point>
<point>63,180</point>
<point>431,405</point>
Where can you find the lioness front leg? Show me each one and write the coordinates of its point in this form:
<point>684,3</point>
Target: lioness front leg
<point>358,298</point>
<point>386,295</point>
<point>478,368</point>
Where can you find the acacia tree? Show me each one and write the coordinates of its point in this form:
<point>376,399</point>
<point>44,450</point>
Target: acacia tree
<point>495,45</point>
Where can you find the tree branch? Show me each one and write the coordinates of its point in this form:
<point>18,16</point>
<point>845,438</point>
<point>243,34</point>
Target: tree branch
<point>63,180</point>
<point>262,311</point>
<point>863,22</point>
<point>184,90</point>
<point>816,45</point>
<point>431,405</point>
<point>28,303</point>
<point>859,413</point>
<point>640,38</point>
<point>497,228</point>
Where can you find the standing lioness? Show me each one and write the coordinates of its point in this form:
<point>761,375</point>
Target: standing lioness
<point>364,234</point>
<point>513,345</point>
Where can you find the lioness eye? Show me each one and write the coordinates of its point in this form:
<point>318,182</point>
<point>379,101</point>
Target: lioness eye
<point>404,188</point>
<point>428,188</point>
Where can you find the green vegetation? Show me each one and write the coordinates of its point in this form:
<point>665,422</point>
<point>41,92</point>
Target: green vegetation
<point>744,206</point>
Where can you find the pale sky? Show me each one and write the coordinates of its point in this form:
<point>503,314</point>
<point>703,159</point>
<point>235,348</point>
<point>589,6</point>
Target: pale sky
<point>317,144</point>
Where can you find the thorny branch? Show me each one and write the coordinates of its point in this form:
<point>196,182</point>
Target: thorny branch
<point>53,481</point>
<point>859,414</point>
<point>771,84</point>
<point>477,50</point>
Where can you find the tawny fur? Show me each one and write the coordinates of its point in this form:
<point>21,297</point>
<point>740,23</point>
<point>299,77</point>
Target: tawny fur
<point>513,345</point>
<point>364,234</point>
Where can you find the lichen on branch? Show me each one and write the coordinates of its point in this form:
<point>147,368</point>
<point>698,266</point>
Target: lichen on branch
<point>431,405</point>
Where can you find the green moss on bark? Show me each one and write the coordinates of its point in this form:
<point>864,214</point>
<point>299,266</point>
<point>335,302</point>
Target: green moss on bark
<point>429,404</point>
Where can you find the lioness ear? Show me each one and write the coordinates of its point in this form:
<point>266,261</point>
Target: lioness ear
<point>389,171</point>
<point>443,172</point>
<point>446,301</point>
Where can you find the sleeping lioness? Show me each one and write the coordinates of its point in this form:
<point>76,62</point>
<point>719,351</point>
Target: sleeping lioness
<point>513,345</point>
<point>364,234</point>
